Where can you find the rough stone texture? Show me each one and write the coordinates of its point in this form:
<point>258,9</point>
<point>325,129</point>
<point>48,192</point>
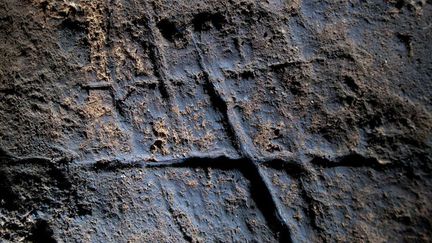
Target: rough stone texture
<point>215,121</point>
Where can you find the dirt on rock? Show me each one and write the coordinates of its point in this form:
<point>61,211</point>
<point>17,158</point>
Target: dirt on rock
<point>215,121</point>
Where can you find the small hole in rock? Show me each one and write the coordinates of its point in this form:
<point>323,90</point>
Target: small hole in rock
<point>168,29</point>
<point>205,21</point>
<point>42,233</point>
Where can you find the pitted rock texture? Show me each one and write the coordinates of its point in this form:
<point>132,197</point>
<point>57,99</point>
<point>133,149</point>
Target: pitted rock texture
<point>215,121</point>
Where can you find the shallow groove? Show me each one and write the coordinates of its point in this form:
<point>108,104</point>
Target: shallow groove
<point>351,160</point>
<point>218,102</point>
<point>156,56</point>
<point>173,214</point>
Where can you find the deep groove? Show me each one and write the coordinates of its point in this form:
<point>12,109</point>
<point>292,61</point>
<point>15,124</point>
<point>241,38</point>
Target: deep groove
<point>154,53</point>
<point>220,104</point>
<point>217,161</point>
<point>155,57</point>
<point>266,202</point>
<point>113,165</point>
<point>216,120</point>
<point>259,189</point>
<point>292,168</point>
<point>264,198</point>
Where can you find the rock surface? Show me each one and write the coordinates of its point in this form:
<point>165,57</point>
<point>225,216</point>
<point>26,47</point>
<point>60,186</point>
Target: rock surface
<point>215,121</point>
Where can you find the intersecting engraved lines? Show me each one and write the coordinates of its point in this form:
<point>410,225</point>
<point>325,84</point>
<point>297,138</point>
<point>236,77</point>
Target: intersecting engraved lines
<point>161,86</point>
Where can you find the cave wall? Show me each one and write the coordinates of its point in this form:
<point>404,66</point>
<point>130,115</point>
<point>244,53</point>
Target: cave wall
<point>215,121</point>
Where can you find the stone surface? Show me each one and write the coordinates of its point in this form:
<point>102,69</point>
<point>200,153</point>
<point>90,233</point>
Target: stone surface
<point>215,121</point>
